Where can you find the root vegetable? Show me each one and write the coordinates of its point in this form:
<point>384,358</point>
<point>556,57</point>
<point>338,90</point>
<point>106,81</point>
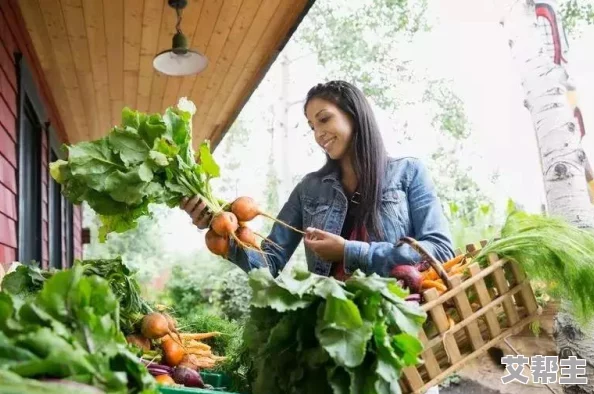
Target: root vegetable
<point>246,209</point>
<point>224,224</point>
<point>216,244</point>
<point>247,236</point>
<point>139,341</point>
<point>450,263</point>
<point>154,326</point>
<point>190,361</point>
<point>188,377</point>
<point>410,275</point>
<point>173,353</point>
<point>199,336</point>
<point>427,284</point>
<point>165,380</point>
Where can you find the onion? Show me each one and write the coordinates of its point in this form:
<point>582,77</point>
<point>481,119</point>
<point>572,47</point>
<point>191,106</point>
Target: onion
<point>188,377</point>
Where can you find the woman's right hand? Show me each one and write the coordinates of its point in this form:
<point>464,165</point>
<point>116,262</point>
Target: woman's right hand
<point>198,211</point>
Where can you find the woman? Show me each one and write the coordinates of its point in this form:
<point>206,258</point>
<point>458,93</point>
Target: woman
<point>357,206</point>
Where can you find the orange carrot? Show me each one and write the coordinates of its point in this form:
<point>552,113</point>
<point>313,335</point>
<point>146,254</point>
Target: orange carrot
<point>427,284</point>
<point>450,263</point>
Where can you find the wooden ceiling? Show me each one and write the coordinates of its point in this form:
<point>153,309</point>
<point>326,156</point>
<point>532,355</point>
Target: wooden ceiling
<point>97,57</point>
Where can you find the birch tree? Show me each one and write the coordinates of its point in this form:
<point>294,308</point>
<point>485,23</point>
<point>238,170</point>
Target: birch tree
<point>561,155</point>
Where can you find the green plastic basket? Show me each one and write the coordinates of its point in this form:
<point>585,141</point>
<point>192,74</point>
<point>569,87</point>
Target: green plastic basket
<point>217,380</point>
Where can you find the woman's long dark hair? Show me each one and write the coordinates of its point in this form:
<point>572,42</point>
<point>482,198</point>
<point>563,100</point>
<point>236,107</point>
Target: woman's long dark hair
<point>369,154</point>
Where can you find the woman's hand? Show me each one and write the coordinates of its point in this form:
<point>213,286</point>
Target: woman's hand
<point>328,246</point>
<point>197,210</point>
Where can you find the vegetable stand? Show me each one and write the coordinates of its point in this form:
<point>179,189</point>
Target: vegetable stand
<point>474,314</point>
<point>218,381</point>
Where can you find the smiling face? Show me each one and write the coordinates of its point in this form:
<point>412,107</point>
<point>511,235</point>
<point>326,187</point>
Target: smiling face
<point>332,127</point>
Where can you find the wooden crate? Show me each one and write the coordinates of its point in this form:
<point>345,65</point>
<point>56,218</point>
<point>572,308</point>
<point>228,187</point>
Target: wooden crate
<point>488,306</point>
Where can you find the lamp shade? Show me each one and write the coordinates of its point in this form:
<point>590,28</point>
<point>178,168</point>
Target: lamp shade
<point>179,60</point>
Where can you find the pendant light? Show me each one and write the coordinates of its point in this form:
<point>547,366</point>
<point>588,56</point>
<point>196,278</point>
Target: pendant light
<point>179,60</point>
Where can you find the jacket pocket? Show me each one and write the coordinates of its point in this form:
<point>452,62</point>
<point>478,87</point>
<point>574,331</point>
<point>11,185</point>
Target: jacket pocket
<point>315,214</point>
<point>395,214</point>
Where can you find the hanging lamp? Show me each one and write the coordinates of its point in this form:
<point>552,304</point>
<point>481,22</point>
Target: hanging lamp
<point>179,60</point>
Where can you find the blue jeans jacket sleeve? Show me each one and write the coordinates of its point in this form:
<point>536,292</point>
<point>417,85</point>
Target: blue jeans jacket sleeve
<point>430,228</point>
<point>287,239</point>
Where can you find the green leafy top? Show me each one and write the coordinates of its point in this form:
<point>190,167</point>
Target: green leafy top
<point>361,332</point>
<point>70,331</point>
<point>146,159</point>
<point>27,280</point>
<point>553,251</point>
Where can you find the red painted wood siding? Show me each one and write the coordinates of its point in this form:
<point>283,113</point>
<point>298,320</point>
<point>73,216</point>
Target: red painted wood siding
<point>14,38</point>
<point>8,155</point>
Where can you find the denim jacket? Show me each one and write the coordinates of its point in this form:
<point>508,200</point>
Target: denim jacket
<point>409,207</point>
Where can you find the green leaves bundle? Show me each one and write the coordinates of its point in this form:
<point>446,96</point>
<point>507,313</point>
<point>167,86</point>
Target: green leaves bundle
<point>553,251</point>
<point>70,331</point>
<point>27,280</point>
<point>307,333</point>
<point>147,159</point>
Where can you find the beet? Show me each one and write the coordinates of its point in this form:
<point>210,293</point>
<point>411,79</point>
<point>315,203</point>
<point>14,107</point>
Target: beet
<point>410,275</point>
<point>188,377</point>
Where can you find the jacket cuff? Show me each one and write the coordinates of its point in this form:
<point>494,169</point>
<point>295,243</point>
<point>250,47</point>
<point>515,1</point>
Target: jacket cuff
<point>354,256</point>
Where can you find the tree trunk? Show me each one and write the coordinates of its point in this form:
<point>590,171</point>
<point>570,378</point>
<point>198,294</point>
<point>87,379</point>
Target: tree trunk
<point>562,158</point>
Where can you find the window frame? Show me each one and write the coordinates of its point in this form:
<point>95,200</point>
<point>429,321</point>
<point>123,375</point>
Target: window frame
<point>29,243</point>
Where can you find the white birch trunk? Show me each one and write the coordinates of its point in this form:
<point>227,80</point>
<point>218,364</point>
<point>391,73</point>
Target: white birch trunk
<point>562,157</point>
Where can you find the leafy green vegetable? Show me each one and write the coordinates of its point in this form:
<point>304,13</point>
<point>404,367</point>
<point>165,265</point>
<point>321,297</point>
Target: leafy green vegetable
<point>308,333</point>
<point>27,280</point>
<point>552,251</point>
<point>70,331</point>
<point>146,159</point>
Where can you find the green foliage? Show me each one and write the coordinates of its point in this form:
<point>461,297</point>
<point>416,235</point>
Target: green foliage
<point>233,295</point>
<point>576,13</point>
<point>470,226</point>
<point>553,252</point>
<point>340,36</point>
<point>146,159</point>
<point>26,281</point>
<point>70,330</point>
<point>309,333</point>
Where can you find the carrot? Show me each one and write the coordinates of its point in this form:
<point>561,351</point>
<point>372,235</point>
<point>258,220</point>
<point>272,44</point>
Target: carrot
<point>430,274</point>
<point>198,352</point>
<point>427,284</point>
<point>246,209</point>
<point>216,244</point>
<point>199,336</point>
<point>193,344</point>
<point>450,263</point>
<point>458,269</point>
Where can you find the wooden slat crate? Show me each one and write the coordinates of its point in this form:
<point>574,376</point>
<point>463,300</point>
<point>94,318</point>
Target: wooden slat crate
<point>473,315</point>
